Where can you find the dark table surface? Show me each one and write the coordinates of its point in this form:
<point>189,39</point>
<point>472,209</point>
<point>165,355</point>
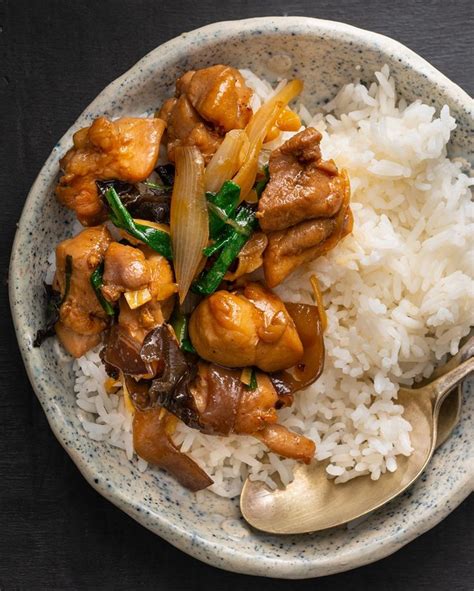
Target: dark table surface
<point>55,531</point>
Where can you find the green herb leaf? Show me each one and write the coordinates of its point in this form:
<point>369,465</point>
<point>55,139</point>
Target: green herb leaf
<point>97,282</point>
<point>231,244</point>
<point>156,239</point>
<point>155,186</point>
<point>253,380</point>
<point>221,207</point>
<point>260,185</point>
<point>179,322</point>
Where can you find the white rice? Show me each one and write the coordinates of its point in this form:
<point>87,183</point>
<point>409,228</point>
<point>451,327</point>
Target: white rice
<point>398,293</point>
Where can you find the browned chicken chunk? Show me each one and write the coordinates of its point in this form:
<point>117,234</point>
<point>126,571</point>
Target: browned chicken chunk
<point>286,443</point>
<point>301,185</point>
<point>219,94</point>
<point>288,249</point>
<point>225,405</point>
<point>76,344</point>
<point>209,103</point>
<point>125,269</point>
<point>304,207</point>
<point>186,128</point>
<point>81,314</point>
<point>248,328</point>
<point>125,149</point>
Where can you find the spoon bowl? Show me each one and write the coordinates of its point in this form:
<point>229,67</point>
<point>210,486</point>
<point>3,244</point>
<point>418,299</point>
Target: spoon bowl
<point>312,502</point>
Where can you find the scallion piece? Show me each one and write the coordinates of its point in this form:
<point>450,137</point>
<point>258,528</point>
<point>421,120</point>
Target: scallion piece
<point>97,282</point>
<point>179,322</point>
<point>231,244</point>
<point>260,185</point>
<point>156,186</point>
<point>221,206</point>
<point>253,380</point>
<point>156,239</point>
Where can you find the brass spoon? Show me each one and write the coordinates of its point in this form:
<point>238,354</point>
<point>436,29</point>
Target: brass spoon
<point>312,502</point>
<point>450,410</point>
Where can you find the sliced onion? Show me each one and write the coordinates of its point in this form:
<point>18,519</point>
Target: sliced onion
<point>126,395</point>
<point>309,327</point>
<point>246,376</point>
<point>227,160</point>
<point>257,129</point>
<point>189,223</point>
<point>318,298</point>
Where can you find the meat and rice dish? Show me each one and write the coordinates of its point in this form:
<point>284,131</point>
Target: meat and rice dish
<point>197,223</point>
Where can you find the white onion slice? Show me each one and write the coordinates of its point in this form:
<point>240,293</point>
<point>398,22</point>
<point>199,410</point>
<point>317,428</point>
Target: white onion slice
<point>227,159</point>
<point>257,129</point>
<point>189,224</point>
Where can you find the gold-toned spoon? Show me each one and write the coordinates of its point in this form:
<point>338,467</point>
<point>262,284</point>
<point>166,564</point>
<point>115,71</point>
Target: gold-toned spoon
<point>312,502</point>
<point>450,410</point>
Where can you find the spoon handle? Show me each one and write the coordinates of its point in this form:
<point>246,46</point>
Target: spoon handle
<point>441,386</point>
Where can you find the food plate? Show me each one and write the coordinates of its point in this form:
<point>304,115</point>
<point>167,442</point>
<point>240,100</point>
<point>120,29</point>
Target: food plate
<point>326,55</point>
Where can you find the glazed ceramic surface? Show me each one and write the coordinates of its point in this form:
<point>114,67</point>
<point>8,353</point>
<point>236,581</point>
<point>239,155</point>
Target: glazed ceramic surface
<point>325,55</point>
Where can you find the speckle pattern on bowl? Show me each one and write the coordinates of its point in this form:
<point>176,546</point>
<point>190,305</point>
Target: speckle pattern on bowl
<point>325,54</point>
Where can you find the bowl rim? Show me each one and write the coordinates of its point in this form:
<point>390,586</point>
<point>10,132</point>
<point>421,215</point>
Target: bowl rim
<point>164,527</point>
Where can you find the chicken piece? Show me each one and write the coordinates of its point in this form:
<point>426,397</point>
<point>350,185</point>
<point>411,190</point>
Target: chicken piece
<point>290,248</point>
<point>162,286</point>
<point>138,322</point>
<point>256,407</point>
<point>81,311</point>
<point>301,185</point>
<point>75,344</point>
<point>126,338</point>
<point>125,149</point>
<point>225,405</point>
<point>209,103</point>
<point>286,443</point>
<point>219,94</point>
<point>187,128</point>
<point>125,269</point>
<point>244,329</point>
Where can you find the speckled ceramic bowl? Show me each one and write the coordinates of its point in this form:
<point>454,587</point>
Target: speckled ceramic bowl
<point>325,55</point>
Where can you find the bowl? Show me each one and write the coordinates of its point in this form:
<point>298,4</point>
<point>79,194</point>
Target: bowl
<point>325,54</point>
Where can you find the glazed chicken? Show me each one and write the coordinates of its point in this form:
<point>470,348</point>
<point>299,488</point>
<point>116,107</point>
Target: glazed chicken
<point>243,329</point>
<point>81,317</point>
<point>227,355</point>
<point>225,405</point>
<point>208,103</point>
<point>125,149</point>
<point>304,205</point>
<point>125,269</point>
<point>219,94</point>
<point>126,337</point>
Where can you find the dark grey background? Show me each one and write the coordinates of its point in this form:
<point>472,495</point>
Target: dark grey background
<point>55,531</point>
